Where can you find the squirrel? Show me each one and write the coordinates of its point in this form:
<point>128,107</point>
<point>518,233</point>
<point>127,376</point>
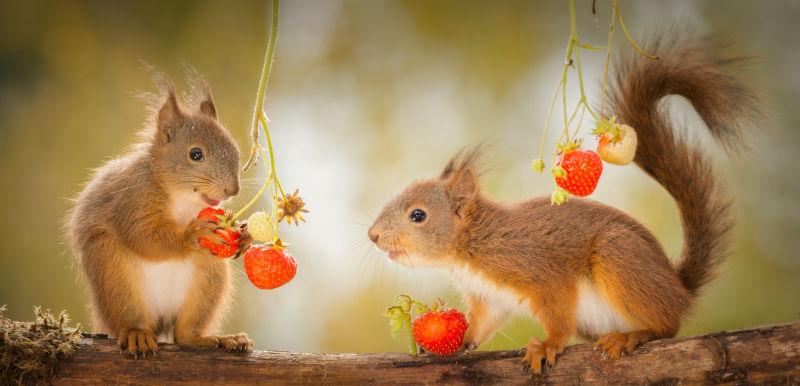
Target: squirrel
<point>584,268</point>
<point>133,230</point>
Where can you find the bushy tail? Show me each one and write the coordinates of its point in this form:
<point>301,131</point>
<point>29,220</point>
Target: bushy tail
<point>697,70</point>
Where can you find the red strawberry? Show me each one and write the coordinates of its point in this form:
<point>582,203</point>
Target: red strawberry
<point>269,267</point>
<point>440,331</point>
<point>210,213</point>
<point>230,236</point>
<point>227,248</point>
<point>582,168</point>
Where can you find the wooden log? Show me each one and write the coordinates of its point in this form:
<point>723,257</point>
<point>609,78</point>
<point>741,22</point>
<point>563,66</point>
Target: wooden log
<point>767,355</point>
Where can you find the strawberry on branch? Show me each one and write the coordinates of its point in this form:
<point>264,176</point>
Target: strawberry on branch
<point>577,171</point>
<point>267,265</point>
<point>438,329</point>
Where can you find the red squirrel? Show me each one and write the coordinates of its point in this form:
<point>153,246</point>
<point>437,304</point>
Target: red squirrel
<point>133,230</point>
<point>584,268</point>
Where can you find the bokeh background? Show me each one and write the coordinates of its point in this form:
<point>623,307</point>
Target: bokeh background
<point>365,97</point>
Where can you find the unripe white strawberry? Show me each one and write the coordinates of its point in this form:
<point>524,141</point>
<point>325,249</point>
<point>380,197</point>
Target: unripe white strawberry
<point>619,150</point>
<point>260,227</point>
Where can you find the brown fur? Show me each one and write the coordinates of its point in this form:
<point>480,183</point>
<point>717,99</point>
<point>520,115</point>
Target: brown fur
<point>123,217</point>
<point>541,253</point>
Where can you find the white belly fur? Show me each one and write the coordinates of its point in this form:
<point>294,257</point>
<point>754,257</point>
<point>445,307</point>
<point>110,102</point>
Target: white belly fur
<point>472,282</point>
<point>165,285</point>
<point>594,313</point>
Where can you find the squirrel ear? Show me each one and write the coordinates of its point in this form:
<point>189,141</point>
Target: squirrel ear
<point>462,186</point>
<point>207,107</point>
<point>168,117</point>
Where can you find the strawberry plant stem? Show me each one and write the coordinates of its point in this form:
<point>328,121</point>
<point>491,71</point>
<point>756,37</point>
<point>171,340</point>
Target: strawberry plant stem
<point>628,34</point>
<point>260,118</point>
<point>614,11</point>
<point>411,340</point>
<point>573,59</point>
<point>262,85</point>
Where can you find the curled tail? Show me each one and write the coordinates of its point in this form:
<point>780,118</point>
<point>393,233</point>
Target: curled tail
<point>696,70</point>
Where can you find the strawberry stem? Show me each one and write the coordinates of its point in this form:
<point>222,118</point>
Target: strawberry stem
<point>260,118</point>
<point>262,85</point>
<point>573,59</point>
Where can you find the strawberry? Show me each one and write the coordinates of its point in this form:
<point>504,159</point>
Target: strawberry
<point>227,248</point>
<point>230,236</point>
<point>578,171</point>
<point>260,226</point>
<point>269,266</point>
<point>618,145</point>
<point>209,213</point>
<point>440,331</point>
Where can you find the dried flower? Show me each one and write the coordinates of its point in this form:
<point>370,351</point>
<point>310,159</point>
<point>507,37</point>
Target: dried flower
<point>291,208</point>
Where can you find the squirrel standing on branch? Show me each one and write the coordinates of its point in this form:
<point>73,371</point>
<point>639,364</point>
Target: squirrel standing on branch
<point>133,230</point>
<point>584,268</point>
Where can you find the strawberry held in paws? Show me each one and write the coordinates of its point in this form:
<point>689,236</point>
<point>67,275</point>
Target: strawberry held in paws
<point>269,266</point>
<point>231,237</point>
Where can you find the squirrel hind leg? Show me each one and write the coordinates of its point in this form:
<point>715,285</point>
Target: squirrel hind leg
<point>631,273</point>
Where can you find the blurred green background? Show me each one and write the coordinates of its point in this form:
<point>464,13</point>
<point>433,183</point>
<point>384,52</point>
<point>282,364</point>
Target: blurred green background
<point>365,97</point>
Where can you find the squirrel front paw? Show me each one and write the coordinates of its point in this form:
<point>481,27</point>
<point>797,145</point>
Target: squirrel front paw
<point>137,342</point>
<point>199,227</point>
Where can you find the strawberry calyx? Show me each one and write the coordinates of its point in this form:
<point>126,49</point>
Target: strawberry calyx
<point>558,171</point>
<point>559,196</point>
<point>537,165</point>
<point>278,244</point>
<point>608,126</point>
<point>566,147</point>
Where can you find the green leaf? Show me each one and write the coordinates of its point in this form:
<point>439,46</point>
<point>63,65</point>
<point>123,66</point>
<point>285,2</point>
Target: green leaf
<point>395,326</point>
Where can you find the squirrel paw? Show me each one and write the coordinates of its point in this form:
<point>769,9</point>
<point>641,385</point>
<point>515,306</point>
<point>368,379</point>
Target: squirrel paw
<point>616,344</point>
<point>537,351</point>
<point>138,342</point>
<point>238,342</point>
<point>204,228</point>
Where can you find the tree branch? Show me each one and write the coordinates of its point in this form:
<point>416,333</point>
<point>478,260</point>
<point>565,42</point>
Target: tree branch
<point>769,354</point>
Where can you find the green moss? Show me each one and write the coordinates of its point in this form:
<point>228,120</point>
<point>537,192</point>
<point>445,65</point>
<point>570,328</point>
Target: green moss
<point>30,351</point>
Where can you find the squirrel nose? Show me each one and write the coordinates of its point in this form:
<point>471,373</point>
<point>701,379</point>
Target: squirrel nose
<point>232,192</point>
<point>373,235</point>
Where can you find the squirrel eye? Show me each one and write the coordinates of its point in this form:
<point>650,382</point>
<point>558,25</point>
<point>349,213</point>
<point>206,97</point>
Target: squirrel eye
<point>196,154</point>
<point>417,215</point>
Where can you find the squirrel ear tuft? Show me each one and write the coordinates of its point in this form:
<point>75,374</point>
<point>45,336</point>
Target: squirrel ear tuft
<point>462,186</point>
<point>169,117</point>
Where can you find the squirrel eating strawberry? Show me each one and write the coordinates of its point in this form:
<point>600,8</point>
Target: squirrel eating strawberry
<point>138,241</point>
<point>584,268</point>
